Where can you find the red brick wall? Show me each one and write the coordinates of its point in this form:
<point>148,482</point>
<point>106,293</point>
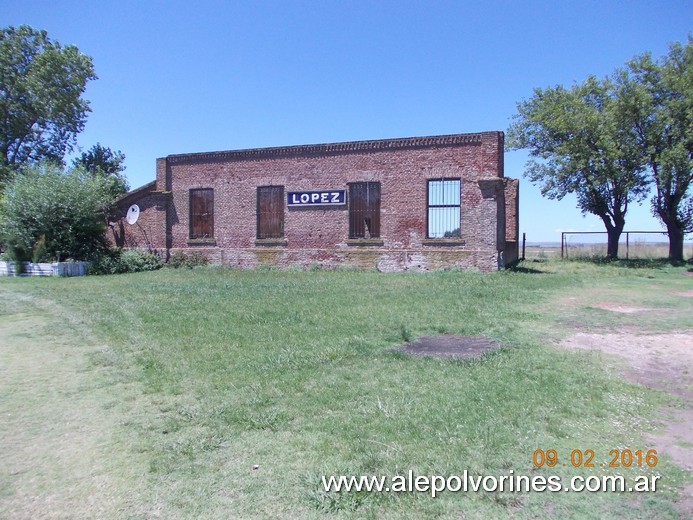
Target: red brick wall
<point>512,220</point>
<point>320,235</point>
<point>149,231</point>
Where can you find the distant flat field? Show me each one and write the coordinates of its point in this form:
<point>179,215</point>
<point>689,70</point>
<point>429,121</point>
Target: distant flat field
<point>575,249</point>
<point>222,393</point>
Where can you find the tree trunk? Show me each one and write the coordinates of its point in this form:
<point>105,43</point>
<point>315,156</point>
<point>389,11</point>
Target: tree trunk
<point>675,242</point>
<point>614,235</point>
<point>614,228</point>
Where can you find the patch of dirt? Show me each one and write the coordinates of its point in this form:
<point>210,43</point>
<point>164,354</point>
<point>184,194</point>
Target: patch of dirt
<point>685,294</point>
<point>663,361</point>
<point>623,309</point>
<point>450,346</point>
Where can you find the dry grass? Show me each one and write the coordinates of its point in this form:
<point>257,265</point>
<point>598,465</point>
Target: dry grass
<point>635,249</point>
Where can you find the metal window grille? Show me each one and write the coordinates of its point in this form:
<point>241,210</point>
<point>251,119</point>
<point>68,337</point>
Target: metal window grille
<point>364,210</point>
<point>202,213</point>
<point>444,208</point>
<point>270,212</point>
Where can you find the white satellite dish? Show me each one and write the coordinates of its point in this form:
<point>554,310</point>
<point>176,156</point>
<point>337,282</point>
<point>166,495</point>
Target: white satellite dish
<point>133,214</point>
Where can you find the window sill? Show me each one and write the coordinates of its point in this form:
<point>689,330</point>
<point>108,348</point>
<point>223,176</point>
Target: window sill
<point>211,241</point>
<point>271,242</point>
<point>373,242</point>
<point>443,242</point>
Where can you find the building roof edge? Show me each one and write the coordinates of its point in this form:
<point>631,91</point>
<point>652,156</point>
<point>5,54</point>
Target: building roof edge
<point>335,148</point>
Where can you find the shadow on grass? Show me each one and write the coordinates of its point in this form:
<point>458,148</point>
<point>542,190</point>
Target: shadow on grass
<point>523,266</point>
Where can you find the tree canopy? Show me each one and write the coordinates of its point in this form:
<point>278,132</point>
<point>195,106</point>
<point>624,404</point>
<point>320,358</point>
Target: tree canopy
<point>578,144</point>
<point>657,102</point>
<point>102,161</point>
<point>609,141</point>
<point>41,105</point>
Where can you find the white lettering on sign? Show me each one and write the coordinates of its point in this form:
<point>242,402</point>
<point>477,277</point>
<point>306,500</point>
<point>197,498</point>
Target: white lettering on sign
<point>316,198</point>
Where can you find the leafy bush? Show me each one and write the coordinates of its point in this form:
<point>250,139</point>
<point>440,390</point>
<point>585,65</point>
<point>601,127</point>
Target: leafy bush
<point>48,214</point>
<point>115,261</point>
<point>134,260</point>
<point>179,260</point>
<point>104,264</point>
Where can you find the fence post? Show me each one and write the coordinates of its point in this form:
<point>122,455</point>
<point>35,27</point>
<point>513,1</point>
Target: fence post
<point>524,241</point>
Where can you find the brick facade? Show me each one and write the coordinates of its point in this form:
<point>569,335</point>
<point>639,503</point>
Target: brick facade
<point>488,231</point>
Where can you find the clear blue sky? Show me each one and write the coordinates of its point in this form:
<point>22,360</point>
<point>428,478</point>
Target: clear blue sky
<point>193,76</point>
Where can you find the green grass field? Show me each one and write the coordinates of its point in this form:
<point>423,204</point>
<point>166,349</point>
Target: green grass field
<point>195,376</point>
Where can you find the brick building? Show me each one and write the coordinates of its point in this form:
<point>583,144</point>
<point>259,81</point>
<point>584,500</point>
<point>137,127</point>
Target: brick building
<point>394,204</point>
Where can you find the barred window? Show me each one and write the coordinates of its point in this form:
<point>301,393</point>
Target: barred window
<point>444,208</point>
<point>364,210</point>
<point>270,212</point>
<point>202,213</point>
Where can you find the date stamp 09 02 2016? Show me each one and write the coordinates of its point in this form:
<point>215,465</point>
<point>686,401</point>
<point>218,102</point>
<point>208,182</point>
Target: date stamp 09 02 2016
<point>585,458</point>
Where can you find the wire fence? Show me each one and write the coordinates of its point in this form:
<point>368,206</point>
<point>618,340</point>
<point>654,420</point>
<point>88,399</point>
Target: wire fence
<point>576,244</point>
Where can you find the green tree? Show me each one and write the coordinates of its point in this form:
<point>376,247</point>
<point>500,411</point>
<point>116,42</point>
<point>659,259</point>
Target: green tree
<point>102,161</point>
<point>578,144</point>
<point>41,105</point>
<point>47,214</point>
<point>657,101</point>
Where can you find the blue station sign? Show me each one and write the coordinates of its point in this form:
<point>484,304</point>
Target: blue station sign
<point>316,198</point>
